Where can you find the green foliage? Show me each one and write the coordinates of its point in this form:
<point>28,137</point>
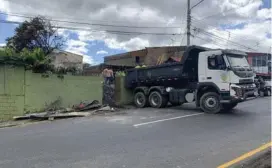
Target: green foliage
<point>120,73</point>
<point>4,52</point>
<point>36,33</point>
<point>35,59</point>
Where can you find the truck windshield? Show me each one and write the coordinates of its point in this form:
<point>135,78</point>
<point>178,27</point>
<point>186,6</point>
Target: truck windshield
<point>237,61</point>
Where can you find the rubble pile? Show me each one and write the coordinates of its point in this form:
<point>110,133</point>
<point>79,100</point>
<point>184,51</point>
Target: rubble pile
<point>83,109</point>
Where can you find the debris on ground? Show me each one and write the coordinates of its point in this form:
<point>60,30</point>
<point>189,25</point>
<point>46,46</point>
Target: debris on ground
<point>106,108</point>
<point>87,105</point>
<point>83,109</point>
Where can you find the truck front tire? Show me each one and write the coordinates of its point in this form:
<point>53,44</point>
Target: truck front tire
<point>210,103</point>
<point>157,100</point>
<point>140,100</point>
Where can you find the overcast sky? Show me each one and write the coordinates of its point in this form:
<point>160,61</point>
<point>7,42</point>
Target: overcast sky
<point>237,24</point>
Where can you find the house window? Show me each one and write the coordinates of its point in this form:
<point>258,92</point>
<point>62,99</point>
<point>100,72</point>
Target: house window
<point>258,61</point>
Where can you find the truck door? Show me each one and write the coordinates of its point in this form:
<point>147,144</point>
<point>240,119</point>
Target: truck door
<point>216,72</point>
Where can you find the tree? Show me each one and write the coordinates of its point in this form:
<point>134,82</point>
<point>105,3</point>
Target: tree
<point>36,33</point>
<point>35,59</point>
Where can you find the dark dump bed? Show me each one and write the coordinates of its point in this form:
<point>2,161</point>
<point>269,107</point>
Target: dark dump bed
<point>168,75</point>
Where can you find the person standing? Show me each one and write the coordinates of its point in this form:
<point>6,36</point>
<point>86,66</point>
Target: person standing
<point>105,74</point>
<point>110,76</point>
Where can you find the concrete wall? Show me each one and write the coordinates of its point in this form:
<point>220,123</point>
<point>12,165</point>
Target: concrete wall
<point>23,91</point>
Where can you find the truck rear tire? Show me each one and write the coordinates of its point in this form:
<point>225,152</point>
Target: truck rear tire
<point>157,100</point>
<point>229,106</point>
<point>140,100</point>
<point>210,103</point>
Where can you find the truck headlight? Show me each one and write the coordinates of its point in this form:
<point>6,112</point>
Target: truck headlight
<point>235,90</point>
<point>232,91</point>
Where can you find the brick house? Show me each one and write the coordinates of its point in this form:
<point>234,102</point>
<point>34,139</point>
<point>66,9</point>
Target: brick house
<point>148,56</point>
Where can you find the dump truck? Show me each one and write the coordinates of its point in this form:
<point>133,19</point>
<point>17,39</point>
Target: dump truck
<point>215,80</point>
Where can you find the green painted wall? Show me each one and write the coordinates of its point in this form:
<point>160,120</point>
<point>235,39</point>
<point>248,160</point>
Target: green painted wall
<point>11,91</point>
<point>71,90</point>
<point>23,91</point>
<point>123,96</point>
<point>11,106</point>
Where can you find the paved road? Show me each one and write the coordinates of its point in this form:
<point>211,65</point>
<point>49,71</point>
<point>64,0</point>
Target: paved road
<point>150,138</point>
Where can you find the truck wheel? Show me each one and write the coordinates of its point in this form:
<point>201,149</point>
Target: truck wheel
<point>210,103</point>
<point>140,100</point>
<point>229,106</point>
<point>157,100</point>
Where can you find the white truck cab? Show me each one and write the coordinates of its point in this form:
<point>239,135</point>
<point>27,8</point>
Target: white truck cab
<point>229,72</point>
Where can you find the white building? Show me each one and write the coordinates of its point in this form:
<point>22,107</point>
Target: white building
<point>66,59</point>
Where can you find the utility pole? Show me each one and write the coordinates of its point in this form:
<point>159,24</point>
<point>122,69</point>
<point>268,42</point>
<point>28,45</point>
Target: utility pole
<point>188,22</point>
<point>189,8</point>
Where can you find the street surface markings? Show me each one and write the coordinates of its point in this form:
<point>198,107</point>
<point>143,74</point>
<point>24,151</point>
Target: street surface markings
<point>167,119</point>
<point>246,155</point>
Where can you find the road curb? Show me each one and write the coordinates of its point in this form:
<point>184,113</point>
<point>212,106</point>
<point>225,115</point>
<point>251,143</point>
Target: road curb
<point>257,159</point>
<point>9,125</point>
<point>252,156</point>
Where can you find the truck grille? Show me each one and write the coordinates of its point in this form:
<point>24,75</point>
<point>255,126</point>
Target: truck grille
<point>244,81</point>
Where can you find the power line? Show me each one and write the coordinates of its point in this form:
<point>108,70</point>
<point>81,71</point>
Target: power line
<point>228,41</point>
<point>95,30</point>
<point>69,18</point>
<point>221,38</point>
<point>219,31</point>
<point>217,44</point>
<point>203,23</point>
<point>92,24</point>
<point>235,35</point>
